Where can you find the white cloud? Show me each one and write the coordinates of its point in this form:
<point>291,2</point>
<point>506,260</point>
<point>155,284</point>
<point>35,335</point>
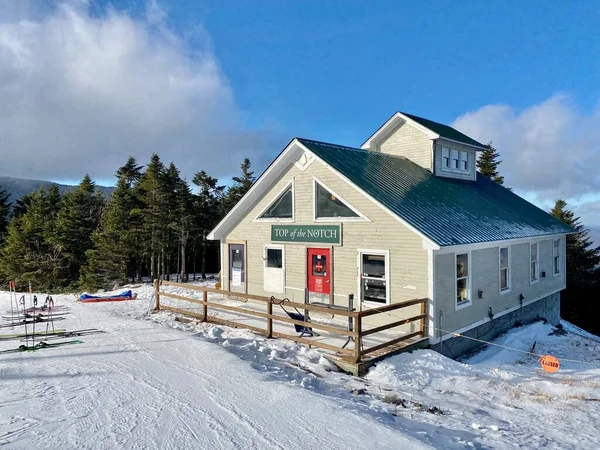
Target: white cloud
<point>82,91</point>
<point>549,148</point>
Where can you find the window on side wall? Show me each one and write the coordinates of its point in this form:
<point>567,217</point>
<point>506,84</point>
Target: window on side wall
<point>504,269</point>
<point>462,280</point>
<point>329,206</point>
<point>282,208</point>
<point>556,256</point>
<point>534,268</point>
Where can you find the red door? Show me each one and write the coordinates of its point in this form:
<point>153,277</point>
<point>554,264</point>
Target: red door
<point>319,273</point>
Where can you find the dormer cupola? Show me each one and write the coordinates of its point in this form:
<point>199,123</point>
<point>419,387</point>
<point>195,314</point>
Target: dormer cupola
<point>441,149</point>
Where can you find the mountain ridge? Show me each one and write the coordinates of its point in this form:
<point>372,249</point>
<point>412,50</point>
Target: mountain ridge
<point>18,187</point>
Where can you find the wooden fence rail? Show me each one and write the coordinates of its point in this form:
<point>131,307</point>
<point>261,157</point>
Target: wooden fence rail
<point>354,332</point>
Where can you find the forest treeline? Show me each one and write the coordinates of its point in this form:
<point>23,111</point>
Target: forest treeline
<point>153,224</point>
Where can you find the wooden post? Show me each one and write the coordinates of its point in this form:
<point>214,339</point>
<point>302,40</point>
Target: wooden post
<point>269,318</point>
<point>205,305</point>
<point>358,339</point>
<point>423,321</point>
<point>157,294</point>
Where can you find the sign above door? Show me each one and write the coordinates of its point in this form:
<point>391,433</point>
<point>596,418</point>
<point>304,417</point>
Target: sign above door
<point>322,234</point>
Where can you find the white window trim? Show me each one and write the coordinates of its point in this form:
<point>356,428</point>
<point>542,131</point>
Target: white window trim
<point>386,253</point>
<point>279,194</point>
<point>460,160</point>
<point>509,280</point>
<point>275,247</point>
<point>469,302</point>
<point>557,274</point>
<point>537,266</point>
<point>361,217</point>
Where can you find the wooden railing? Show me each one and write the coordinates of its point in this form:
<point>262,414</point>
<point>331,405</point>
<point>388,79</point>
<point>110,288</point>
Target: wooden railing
<point>354,332</point>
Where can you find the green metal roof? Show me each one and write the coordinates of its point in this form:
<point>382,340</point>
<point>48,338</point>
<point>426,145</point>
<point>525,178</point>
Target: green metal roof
<point>444,130</point>
<point>448,211</point>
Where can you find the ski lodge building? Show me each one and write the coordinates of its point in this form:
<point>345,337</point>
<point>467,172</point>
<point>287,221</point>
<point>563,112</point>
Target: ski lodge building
<point>404,216</point>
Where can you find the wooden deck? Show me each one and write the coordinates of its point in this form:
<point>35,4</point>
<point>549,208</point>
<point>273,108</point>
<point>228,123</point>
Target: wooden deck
<point>341,333</point>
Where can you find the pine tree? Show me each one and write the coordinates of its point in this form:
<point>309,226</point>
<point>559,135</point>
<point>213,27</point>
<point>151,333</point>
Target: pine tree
<point>28,253</point>
<point>209,209</point>
<point>153,213</point>
<point>583,273</point>
<point>77,219</point>
<point>240,186</point>
<point>488,163</point>
<point>115,242</point>
<point>4,211</point>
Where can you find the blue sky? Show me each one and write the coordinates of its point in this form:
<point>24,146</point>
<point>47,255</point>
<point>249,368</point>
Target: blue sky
<point>253,74</point>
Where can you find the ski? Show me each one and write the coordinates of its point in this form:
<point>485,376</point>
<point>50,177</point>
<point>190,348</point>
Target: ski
<point>66,334</point>
<point>5,337</point>
<point>39,346</point>
<point>29,322</point>
<point>37,316</point>
<point>43,309</point>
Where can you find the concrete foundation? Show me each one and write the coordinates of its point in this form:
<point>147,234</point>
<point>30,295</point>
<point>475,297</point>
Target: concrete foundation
<point>547,308</point>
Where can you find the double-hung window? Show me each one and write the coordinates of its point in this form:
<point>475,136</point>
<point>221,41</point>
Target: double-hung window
<point>462,280</point>
<point>464,161</point>
<point>534,268</point>
<point>504,269</point>
<point>455,159</point>
<point>446,158</point>
<point>374,276</point>
<point>556,256</point>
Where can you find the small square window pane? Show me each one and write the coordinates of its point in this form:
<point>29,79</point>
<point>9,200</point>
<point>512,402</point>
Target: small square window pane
<point>462,265</point>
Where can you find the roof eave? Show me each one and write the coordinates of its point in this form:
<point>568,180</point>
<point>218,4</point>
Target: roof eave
<point>383,129</point>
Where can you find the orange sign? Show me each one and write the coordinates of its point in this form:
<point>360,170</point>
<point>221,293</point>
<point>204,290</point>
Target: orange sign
<point>549,363</point>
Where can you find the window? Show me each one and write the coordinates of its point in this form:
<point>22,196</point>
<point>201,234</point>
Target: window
<point>274,258</point>
<point>462,279</point>
<point>373,277</point>
<point>504,269</point>
<point>329,206</point>
<point>454,160</point>
<point>556,256</point>
<point>534,266</point>
<point>446,158</point>
<point>282,207</point>
<point>319,265</point>
<point>464,161</point>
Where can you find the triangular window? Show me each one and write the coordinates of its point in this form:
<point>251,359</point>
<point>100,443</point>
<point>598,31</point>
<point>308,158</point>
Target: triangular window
<point>282,207</point>
<point>328,205</point>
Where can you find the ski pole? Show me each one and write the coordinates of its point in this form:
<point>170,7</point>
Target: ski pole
<point>34,320</point>
<point>22,301</point>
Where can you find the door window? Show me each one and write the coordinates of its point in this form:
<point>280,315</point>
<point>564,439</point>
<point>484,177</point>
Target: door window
<point>319,265</point>
<point>274,258</point>
<point>237,259</point>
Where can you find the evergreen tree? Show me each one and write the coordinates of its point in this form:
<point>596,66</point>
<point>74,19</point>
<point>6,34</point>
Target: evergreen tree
<point>488,163</point>
<point>77,219</point>
<point>115,242</point>
<point>579,303</point>
<point>240,186</point>
<point>4,210</point>
<point>28,253</point>
<point>153,213</point>
<point>209,209</point>
<point>21,205</point>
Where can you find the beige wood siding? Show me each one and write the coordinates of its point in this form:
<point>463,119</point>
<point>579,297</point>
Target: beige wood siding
<point>485,275</point>
<point>439,143</point>
<point>408,259</point>
<point>406,140</point>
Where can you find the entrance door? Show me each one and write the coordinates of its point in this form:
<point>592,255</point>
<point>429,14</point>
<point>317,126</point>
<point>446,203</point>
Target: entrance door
<point>237,269</point>
<point>274,277</point>
<point>319,274</point>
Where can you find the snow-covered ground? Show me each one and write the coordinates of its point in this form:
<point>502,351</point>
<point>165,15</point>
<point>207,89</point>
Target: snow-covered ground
<point>153,382</point>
